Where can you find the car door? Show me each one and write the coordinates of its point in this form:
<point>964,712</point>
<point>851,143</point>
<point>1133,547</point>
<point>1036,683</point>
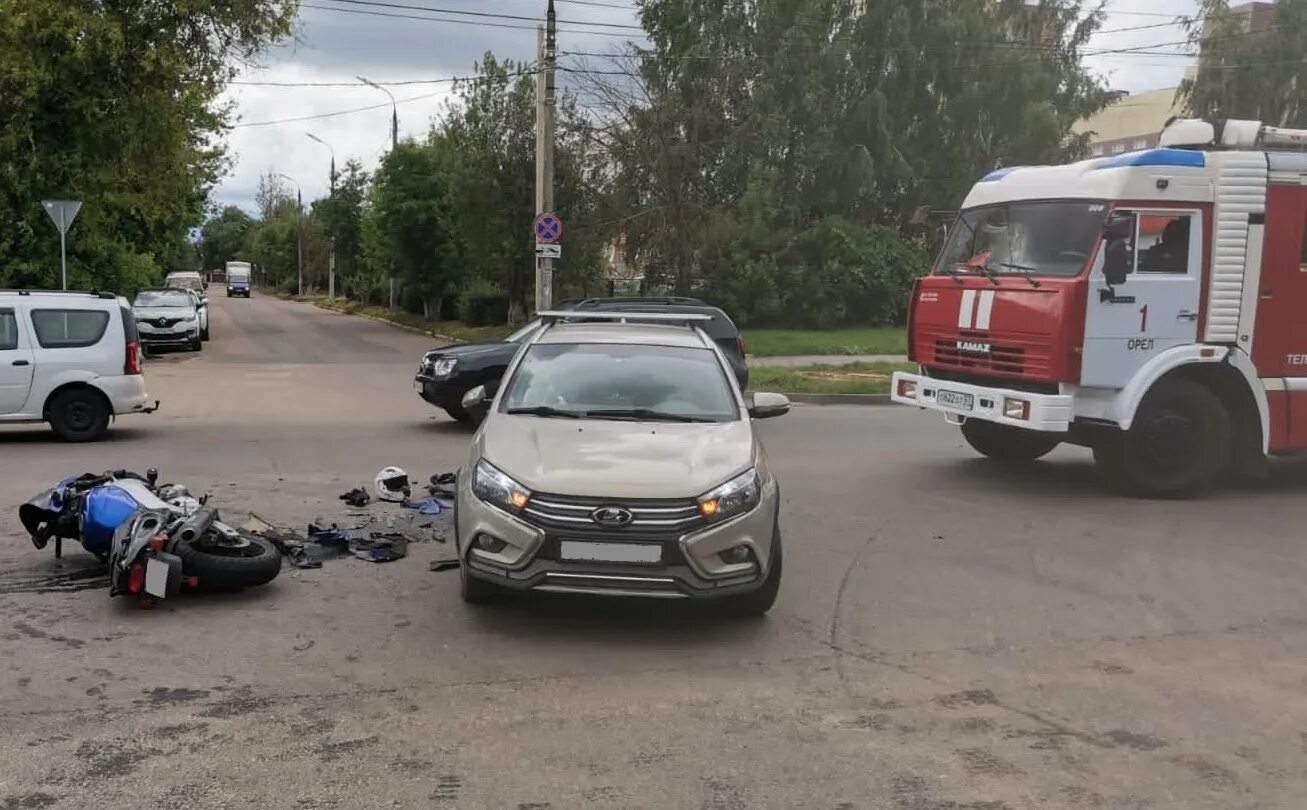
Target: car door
<point>15,362</point>
<point>1156,308</point>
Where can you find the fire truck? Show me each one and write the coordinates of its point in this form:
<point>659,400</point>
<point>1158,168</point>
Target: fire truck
<point>1151,306</point>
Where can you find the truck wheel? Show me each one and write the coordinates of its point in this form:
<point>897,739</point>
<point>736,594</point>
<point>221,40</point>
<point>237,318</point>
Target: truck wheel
<point>1005,443</point>
<point>1180,441</point>
<point>224,567</point>
<point>79,415</point>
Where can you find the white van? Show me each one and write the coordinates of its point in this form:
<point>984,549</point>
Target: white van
<point>238,279</point>
<point>72,359</point>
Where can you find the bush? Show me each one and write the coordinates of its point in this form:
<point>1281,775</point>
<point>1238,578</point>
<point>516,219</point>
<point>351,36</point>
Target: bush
<point>836,273</point>
<point>481,304</point>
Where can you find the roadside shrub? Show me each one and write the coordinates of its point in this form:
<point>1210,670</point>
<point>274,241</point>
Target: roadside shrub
<point>482,304</point>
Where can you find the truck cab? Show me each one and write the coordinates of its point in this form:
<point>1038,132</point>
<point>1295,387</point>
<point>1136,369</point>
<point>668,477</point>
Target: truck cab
<point>238,279</point>
<point>1148,305</point>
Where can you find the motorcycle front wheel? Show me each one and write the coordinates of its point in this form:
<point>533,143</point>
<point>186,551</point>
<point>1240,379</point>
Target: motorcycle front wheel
<point>221,565</point>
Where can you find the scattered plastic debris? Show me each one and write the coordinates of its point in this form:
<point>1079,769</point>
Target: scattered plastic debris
<point>357,497</point>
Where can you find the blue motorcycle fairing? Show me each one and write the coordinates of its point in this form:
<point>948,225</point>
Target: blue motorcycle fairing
<point>107,507</point>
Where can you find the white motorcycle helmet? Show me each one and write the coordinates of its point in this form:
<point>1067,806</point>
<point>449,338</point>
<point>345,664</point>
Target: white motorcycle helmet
<point>392,485</point>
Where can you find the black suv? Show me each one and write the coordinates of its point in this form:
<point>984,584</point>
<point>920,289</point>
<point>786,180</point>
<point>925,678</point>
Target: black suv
<point>445,375</point>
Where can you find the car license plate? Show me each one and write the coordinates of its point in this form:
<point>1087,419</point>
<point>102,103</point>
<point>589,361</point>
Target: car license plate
<point>953,399</point>
<point>156,578</point>
<point>579,550</point>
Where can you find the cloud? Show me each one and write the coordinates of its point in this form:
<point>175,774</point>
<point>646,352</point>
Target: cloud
<point>338,45</point>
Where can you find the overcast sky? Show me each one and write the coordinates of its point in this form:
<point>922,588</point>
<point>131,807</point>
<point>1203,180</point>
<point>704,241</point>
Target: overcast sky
<point>338,40</point>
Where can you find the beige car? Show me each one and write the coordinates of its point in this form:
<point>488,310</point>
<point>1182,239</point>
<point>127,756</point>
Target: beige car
<point>619,457</point>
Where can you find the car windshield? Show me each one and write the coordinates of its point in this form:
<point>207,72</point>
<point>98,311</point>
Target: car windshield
<point>163,298</point>
<point>1038,238</point>
<point>186,283</point>
<point>613,381</point>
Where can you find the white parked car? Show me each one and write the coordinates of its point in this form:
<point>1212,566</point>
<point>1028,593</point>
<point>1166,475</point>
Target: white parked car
<point>70,359</point>
<point>168,318</point>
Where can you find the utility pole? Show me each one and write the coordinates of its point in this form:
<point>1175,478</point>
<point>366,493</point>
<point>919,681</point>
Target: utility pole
<point>299,238</point>
<point>547,43</point>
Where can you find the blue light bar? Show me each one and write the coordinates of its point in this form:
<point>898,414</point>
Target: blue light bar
<point>1156,157</point>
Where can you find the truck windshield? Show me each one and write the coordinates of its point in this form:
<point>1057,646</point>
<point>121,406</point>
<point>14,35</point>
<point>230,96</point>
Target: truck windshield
<point>1034,238</point>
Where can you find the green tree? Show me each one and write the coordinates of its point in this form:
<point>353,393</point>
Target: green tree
<point>223,235</point>
<point>340,217</point>
<point>408,228</point>
<point>1259,75</point>
<point>115,103</point>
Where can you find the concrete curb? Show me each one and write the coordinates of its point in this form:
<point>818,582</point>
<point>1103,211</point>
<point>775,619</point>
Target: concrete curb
<point>841,399</point>
<point>415,330</point>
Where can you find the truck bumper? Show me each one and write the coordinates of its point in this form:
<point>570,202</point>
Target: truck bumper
<point>1049,413</point>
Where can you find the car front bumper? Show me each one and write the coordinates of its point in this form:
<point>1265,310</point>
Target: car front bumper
<point>531,560</point>
<point>154,336</point>
<point>1049,413</point>
<point>439,392</point>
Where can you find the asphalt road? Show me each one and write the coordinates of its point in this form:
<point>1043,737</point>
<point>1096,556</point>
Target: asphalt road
<point>949,635</point>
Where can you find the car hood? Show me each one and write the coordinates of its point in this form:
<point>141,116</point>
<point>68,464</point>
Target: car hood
<point>464,351</point>
<point>146,313</point>
<point>617,459</point>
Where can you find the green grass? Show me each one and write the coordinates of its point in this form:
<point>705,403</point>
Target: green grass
<point>795,342</point>
<point>451,329</point>
<point>859,378</point>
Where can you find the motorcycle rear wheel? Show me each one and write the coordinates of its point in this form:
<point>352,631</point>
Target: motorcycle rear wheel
<point>222,567</point>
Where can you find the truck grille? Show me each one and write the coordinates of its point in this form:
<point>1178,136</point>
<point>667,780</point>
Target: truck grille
<point>573,516</point>
<point>979,353</point>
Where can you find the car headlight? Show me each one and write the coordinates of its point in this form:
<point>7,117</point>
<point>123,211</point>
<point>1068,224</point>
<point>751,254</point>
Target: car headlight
<point>491,485</point>
<point>442,366</point>
<point>736,496</point>
<point>189,318</point>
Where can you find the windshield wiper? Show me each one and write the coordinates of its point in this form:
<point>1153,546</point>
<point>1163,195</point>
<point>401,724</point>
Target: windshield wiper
<point>645,414</point>
<point>1025,271</point>
<point>544,411</point>
<point>955,273</point>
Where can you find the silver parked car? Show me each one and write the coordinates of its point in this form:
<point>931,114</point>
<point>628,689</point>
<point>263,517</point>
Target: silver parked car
<point>619,456</point>
<point>167,317</point>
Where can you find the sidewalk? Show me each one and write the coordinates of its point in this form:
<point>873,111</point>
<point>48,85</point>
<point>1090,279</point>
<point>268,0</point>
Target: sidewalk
<point>825,360</point>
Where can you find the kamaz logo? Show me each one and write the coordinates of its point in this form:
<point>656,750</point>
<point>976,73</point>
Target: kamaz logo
<point>973,347</point>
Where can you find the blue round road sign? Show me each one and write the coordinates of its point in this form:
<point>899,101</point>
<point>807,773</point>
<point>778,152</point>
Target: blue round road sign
<point>548,229</point>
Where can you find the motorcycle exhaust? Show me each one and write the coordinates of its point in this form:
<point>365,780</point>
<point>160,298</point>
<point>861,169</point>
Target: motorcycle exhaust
<point>197,524</point>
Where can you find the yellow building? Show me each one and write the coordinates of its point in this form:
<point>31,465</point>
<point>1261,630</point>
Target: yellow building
<point>1130,123</point>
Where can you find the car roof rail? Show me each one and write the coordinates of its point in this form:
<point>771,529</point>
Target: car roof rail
<point>683,318</point>
<point>107,296</point>
<point>669,300</point>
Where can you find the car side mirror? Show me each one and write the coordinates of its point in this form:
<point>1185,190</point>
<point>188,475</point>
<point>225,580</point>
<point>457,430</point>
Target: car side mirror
<point>769,406</point>
<point>1116,263</point>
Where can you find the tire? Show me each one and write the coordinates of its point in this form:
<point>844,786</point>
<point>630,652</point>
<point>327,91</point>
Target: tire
<point>459,415</point>
<point>757,602</point>
<point>476,591</point>
<point>1181,441</point>
<point>1007,444</point>
<point>222,569</point>
<point>79,415</point>
<point>197,345</point>
<point>204,335</point>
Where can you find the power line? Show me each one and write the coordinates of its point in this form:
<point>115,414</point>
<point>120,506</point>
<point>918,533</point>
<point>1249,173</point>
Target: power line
<point>480,23</point>
<point>356,83</point>
<point>482,14</point>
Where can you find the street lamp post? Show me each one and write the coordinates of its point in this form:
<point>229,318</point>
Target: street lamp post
<point>299,230</point>
<point>333,158</point>
<point>394,110</point>
<point>394,144</point>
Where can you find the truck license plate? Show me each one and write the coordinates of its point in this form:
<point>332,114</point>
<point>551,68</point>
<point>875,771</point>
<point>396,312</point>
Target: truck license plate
<point>953,399</point>
<point>646,553</point>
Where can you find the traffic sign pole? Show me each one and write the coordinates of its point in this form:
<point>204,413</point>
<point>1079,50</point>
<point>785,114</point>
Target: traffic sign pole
<point>63,249</point>
<point>62,213</point>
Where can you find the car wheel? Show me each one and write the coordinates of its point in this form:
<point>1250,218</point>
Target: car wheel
<point>458,414</point>
<point>1007,444</point>
<point>757,602</point>
<point>197,345</point>
<point>79,415</point>
<point>204,335</point>
<point>1181,440</point>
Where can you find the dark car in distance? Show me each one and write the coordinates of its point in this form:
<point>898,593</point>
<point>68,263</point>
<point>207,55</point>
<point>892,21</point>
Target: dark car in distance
<point>446,374</point>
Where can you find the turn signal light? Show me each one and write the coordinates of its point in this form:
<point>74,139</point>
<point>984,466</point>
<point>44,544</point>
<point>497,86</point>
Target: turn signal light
<point>1016,409</point>
<point>519,498</point>
<point>708,508</point>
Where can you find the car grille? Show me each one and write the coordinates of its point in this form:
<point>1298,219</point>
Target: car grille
<point>162,323</point>
<point>1008,355</point>
<point>569,515</point>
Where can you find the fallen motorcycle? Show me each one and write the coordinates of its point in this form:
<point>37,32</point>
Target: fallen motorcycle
<point>155,538</point>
